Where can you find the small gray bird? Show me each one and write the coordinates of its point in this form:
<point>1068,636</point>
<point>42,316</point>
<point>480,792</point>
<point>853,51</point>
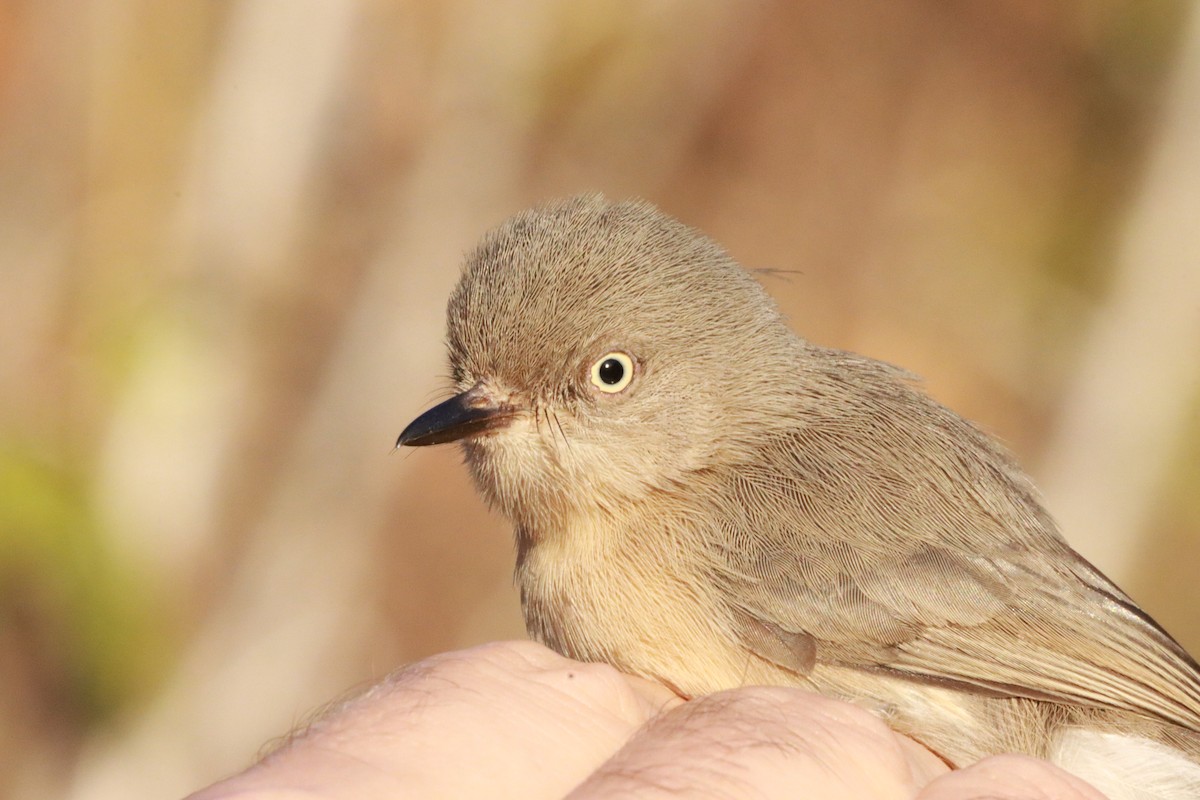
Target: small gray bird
<point>705,499</point>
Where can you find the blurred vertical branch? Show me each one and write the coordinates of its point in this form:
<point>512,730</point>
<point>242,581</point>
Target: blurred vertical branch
<point>1137,381</point>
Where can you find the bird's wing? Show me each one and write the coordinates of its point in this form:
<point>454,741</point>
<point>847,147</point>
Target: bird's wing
<point>935,581</point>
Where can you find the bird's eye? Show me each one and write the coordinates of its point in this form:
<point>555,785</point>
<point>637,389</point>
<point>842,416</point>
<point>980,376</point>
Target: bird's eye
<point>612,373</point>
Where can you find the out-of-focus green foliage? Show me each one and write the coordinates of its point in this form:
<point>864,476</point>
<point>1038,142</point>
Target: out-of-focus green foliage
<point>92,629</point>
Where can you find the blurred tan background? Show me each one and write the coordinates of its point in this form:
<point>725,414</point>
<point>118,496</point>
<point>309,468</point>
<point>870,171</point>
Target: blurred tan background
<point>228,230</point>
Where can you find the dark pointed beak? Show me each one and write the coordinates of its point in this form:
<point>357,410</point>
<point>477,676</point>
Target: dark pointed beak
<point>465,415</point>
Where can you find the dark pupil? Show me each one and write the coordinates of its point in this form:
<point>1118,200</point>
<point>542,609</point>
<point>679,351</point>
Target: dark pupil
<point>611,371</point>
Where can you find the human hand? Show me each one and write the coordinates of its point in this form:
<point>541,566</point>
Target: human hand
<point>516,720</point>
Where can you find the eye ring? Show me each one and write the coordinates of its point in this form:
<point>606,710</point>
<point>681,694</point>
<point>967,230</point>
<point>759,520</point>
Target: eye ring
<point>612,372</point>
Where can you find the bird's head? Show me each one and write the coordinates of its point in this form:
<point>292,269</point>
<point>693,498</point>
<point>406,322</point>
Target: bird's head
<point>601,352</point>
